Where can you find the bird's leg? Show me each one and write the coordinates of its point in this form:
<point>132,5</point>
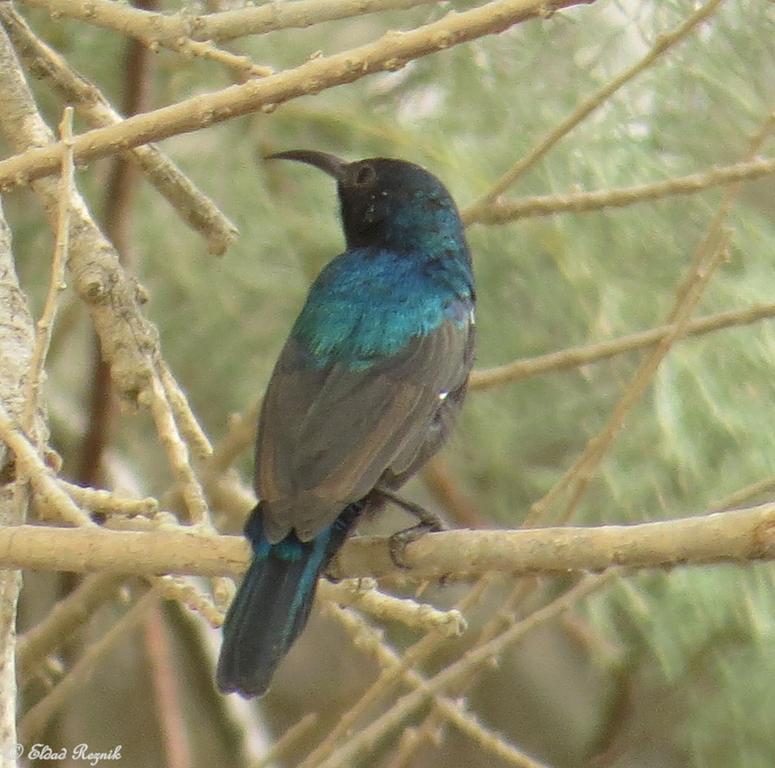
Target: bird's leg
<point>429,522</point>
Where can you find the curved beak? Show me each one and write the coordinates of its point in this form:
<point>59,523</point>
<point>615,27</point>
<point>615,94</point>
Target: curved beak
<point>329,164</point>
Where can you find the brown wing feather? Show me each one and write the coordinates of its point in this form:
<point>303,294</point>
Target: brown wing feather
<point>327,436</point>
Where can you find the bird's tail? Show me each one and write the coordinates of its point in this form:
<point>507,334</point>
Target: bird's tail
<point>273,602</point>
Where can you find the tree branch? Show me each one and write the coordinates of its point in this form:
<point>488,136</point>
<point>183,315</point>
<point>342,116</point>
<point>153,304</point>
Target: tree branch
<point>574,357</point>
<point>128,341</point>
<point>507,211</point>
<point>16,349</point>
<point>175,30</point>
<point>737,536</point>
<point>390,52</point>
<point>191,204</point>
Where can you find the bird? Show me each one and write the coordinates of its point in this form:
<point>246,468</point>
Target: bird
<point>365,390</point>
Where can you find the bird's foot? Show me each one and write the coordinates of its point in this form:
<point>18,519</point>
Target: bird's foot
<point>399,541</point>
<point>430,522</point>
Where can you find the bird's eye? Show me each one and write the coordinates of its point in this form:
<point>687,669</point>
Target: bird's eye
<point>364,176</point>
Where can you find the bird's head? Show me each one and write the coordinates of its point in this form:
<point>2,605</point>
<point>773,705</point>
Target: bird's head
<point>387,202</point>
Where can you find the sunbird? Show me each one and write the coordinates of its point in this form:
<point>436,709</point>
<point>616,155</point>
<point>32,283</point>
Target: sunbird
<point>365,391</point>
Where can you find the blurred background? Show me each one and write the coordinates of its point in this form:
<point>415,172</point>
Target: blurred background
<point>662,669</point>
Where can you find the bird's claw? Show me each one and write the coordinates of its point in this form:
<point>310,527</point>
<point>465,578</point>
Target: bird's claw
<point>399,541</point>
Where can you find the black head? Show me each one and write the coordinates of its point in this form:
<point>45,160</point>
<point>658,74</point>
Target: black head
<point>386,201</point>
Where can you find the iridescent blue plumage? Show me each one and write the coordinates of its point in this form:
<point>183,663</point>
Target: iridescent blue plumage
<point>364,305</point>
<point>364,392</point>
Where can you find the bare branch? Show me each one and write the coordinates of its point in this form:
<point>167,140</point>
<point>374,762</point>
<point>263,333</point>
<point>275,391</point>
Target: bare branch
<point>107,503</point>
<point>48,494</point>
<point>390,52</point>
<point>575,357</point>
<point>465,721</point>
<point>187,594</point>
<point>575,479</point>
<point>388,678</point>
<point>177,452</point>
<point>505,211</point>
<point>288,740</point>
<point>185,419</point>
<point>128,341</point>
<point>176,30</point>
<point>194,207</point>
<point>735,536</point>
<point>56,285</point>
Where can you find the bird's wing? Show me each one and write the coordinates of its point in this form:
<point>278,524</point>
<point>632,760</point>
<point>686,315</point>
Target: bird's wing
<point>327,435</point>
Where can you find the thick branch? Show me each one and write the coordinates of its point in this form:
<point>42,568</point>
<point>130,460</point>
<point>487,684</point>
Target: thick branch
<point>16,350</point>
<point>156,29</point>
<point>390,52</point>
<point>128,341</point>
<point>737,536</point>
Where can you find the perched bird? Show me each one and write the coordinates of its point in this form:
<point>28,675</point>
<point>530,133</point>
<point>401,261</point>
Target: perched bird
<point>364,392</point>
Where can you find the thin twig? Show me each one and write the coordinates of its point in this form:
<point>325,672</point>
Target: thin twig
<point>429,731</point>
<point>663,44</point>
<point>366,739</point>
<point>187,594</point>
<point>505,211</point>
<point>172,723</point>
<point>106,503</point>
<point>575,357</point>
<point>240,434</point>
<point>36,718</point>
<point>388,678</point>
<point>242,66</point>
<point>187,422</point>
<point>56,285</point>
<point>178,456</point>
<point>49,496</point>
<point>736,499</point>
<point>363,594</point>
<point>487,740</point>
<point>707,256</point>
<point>63,619</point>
<point>176,449</point>
<point>576,478</point>
<point>288,740</point>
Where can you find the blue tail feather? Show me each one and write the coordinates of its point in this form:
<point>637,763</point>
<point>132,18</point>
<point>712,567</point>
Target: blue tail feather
<point>273,603</point>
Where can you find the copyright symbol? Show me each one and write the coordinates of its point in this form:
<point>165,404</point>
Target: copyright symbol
<point>18,750</point>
